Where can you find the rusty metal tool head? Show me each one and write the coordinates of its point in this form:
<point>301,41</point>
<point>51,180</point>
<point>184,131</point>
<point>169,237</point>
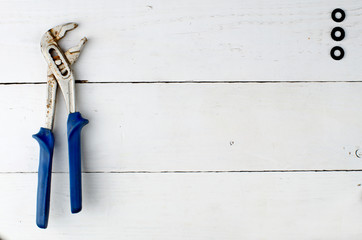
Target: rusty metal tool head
<point>59,72</point>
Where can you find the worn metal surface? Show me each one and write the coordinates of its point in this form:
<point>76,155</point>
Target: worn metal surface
<point>59,71</point>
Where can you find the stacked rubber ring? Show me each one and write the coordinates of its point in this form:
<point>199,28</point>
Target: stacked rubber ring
<point>337,34</point>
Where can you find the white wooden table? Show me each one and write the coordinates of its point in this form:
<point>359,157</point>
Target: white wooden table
<point>208,120</point>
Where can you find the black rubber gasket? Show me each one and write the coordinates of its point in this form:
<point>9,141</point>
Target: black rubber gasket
<point>338,10</point>
<point>335,37</point>
<point>334,49</point>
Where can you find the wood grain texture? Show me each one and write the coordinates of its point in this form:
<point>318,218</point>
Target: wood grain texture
<point>299,206</point>
<point>197,127</point>
<point>192,127</point>
<point>154,40</point>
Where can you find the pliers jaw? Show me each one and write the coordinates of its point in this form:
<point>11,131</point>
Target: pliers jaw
<point>56,33</point>
<point>73,53</point>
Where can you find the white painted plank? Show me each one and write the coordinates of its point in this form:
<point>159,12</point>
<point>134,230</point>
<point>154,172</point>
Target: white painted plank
<point>299,206</point>
<point>152,40</point>
<point>155,127</point>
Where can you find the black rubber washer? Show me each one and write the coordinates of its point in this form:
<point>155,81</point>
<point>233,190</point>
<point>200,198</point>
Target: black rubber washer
<point>334,56</point>
<point>338,10</point>
<point>335,37</point>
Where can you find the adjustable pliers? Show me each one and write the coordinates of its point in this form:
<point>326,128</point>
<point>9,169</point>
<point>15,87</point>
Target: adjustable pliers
<point>59,72</point>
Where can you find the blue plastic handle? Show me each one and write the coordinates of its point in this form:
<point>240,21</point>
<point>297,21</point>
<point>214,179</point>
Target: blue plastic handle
<point>45,139</point>
<point>74,125</point>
